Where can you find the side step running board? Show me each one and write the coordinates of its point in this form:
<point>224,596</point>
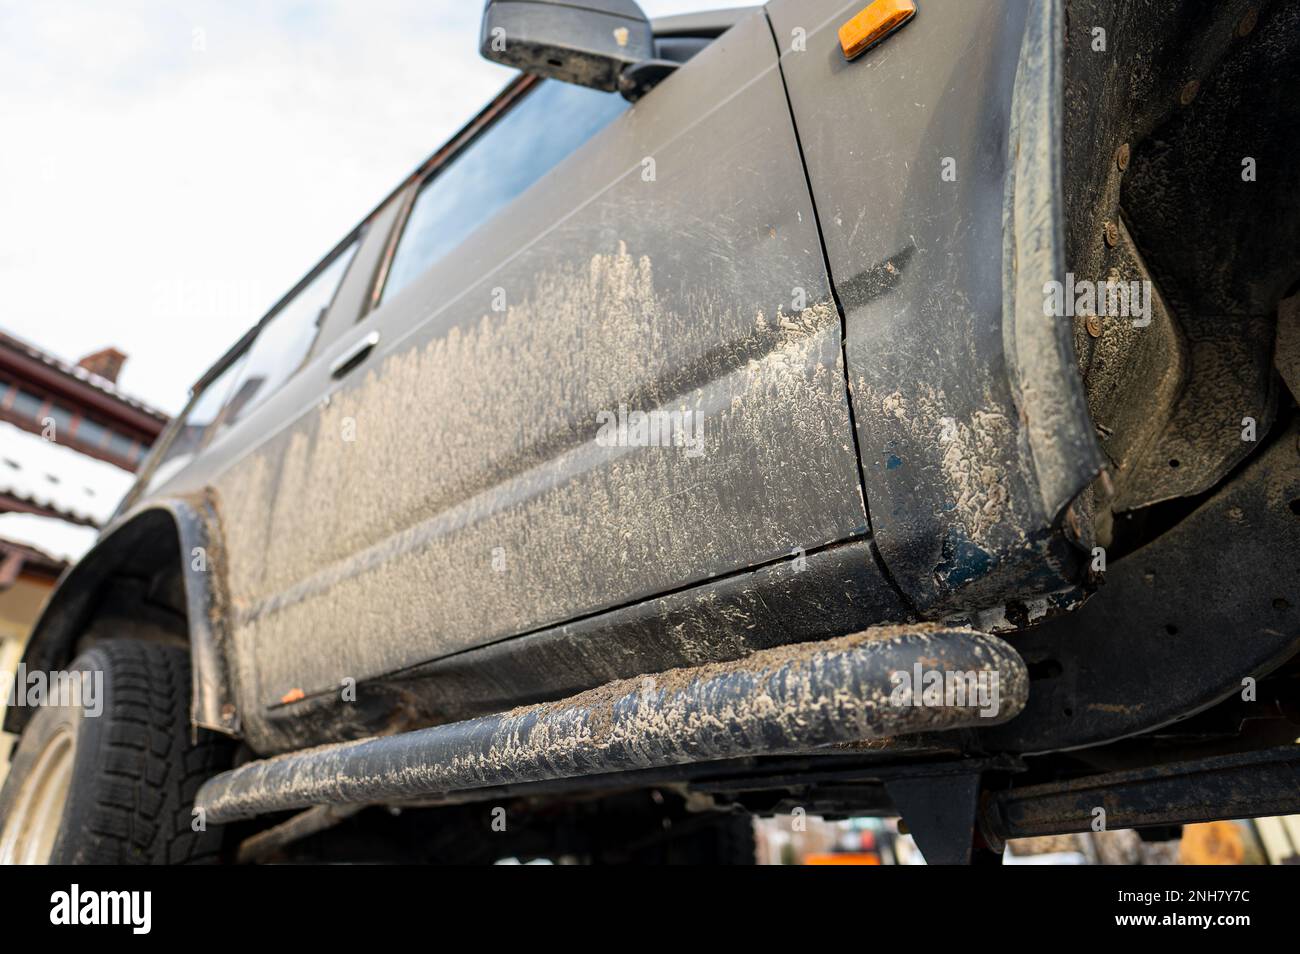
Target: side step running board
<point>888,681</point>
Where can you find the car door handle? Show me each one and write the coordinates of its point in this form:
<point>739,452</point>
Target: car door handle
<point>354,355</point>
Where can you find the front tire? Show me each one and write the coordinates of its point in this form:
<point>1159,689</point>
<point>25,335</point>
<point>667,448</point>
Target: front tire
<point>115,786</point>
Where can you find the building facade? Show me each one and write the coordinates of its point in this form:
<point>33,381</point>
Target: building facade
<point>70,443</point>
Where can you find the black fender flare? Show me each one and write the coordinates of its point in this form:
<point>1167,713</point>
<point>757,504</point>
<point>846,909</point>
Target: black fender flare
<point>182,529</point>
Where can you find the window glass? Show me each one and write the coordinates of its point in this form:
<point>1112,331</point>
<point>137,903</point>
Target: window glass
<point>121,445</point>
<point>91,432</point>
<point>27,404</point>
<point>517,150</point>
<point>192,428</point>
<point>285,339</point>
<point>62,419</point>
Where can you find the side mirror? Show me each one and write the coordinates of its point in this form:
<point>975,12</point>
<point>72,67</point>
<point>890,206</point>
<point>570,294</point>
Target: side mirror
<point>588,42</point>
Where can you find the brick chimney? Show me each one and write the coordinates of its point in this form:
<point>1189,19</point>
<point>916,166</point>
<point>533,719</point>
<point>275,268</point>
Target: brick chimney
<point>107,363</point>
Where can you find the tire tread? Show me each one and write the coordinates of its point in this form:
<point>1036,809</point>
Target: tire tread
<point>150,769</point>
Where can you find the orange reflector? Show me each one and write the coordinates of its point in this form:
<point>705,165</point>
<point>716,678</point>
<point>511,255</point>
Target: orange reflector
<point>874,24</point>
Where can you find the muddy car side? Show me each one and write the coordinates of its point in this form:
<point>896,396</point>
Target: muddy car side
<point>657,391</point>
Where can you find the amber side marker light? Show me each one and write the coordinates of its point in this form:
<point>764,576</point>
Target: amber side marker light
<point>873,24</point>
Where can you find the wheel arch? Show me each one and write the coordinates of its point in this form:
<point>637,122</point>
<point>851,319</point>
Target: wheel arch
<point>161,564</point>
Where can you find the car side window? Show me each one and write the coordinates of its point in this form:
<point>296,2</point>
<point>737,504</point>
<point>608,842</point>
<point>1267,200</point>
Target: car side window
<point>528,141</point>
<point>193,427</point>
<point>285,339</point>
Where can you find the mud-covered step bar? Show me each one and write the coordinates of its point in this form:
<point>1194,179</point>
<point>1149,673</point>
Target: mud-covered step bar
<point>884,682</point>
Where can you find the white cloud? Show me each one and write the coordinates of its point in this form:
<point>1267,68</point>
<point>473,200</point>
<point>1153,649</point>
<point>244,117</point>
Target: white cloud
<point>171,168</point>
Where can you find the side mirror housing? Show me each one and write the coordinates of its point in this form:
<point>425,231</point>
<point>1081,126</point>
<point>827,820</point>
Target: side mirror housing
<point>587,42</point>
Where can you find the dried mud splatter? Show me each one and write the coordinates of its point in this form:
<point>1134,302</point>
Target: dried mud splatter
<point>973,455</point>
<point>358,557</point>
<point>788,699</point>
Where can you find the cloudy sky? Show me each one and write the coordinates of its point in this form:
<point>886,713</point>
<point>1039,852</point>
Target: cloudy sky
<point>171,167</point>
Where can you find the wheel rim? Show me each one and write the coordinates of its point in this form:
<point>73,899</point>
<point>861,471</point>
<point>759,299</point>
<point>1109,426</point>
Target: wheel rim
<point>33,823</point>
